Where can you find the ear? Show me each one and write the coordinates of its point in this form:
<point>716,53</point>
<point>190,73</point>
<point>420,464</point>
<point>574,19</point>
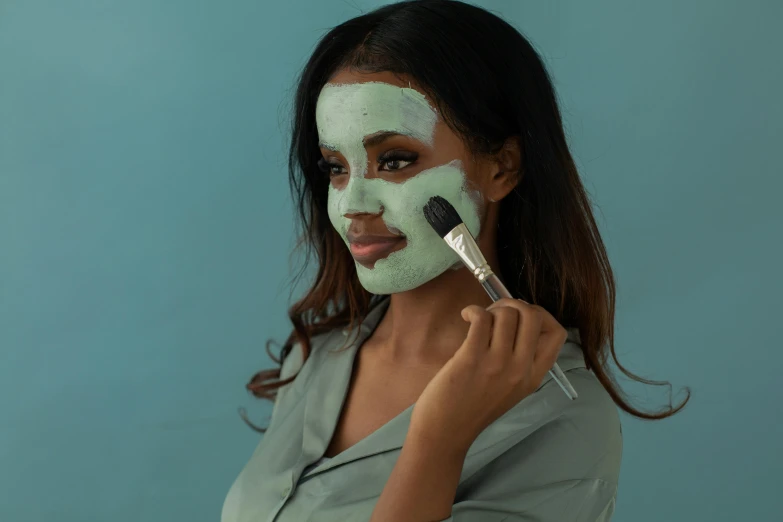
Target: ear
<point>507,165</point>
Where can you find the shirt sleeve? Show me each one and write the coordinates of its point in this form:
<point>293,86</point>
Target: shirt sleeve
<point>581,500</point>
<point>566,471</point>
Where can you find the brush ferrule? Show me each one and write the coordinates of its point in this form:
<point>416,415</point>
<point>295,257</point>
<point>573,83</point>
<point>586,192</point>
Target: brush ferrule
<point>461,241</point>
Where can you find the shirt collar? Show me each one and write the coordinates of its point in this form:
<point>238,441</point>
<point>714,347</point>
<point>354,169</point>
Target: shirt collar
<point>326,393</point>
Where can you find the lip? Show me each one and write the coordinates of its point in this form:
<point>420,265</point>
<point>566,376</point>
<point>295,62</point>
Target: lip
<point>367,249</point>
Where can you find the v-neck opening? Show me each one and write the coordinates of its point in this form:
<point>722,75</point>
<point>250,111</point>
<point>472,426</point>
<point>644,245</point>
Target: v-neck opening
<point>345,372</point>
<point>324,408</point>
<point>366,332</point>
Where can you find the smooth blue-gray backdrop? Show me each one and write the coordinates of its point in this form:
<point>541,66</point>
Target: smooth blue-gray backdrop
<point>145,231</point>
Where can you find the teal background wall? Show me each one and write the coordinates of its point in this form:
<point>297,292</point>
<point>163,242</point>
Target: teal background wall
<point>145,228</point>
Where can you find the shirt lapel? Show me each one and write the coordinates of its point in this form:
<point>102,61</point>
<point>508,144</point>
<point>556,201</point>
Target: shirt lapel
<point>327,392</point>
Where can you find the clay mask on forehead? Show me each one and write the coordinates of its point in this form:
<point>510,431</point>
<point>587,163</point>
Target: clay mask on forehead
<point>348,113</point>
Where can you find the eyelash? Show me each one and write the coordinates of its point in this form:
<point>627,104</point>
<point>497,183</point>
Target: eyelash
<point>326,166</point>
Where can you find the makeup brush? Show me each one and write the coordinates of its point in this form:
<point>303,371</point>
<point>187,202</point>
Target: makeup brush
<point>445,220</point>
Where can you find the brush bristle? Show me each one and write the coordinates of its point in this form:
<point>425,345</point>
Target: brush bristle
<point>441,215</point>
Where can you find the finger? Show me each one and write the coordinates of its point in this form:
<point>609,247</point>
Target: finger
<point>546,360</point>
<point>504,329</point>
<point>553,335</point>
<point>528,331</point>
<point>549,323</point>
<point>550,344</point>
<point>480,328</point>
<point>507,301</point>
<point>543,337</point>
<point>524,348</point>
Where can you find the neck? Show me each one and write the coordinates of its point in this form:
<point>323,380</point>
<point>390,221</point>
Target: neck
<point>423,326</point>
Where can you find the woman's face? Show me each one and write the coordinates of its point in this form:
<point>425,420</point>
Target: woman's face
<point>387,150</point>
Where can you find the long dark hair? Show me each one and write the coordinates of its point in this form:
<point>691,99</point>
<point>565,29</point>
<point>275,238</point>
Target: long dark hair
<point>489,84</point>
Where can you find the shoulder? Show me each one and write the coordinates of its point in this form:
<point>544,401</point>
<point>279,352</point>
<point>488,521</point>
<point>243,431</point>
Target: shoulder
<point>594,409</point>
<point>296,364</point>
<point>583,435</point>
<point>550,457</point>
<point>301,369</point>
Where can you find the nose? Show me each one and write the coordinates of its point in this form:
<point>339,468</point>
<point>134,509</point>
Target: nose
<point>358,198</point>
<point>360,215</point>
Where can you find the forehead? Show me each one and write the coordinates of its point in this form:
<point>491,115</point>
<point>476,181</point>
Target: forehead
<point>356,110</point>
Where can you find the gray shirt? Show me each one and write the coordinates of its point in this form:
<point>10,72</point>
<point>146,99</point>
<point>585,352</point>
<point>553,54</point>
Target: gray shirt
<point>547,459</point>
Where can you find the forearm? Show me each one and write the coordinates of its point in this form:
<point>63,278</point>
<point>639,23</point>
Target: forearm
<point>423,483</point>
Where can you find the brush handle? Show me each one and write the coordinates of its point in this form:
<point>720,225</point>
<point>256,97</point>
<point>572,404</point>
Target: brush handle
<point>497,290</point>
<point>462,242</point>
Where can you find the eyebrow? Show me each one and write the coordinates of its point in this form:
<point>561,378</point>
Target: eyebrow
<point>372,141</point>
<point>377,139</point>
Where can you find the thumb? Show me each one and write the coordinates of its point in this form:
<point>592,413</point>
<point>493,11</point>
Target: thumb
<point>469,312</point>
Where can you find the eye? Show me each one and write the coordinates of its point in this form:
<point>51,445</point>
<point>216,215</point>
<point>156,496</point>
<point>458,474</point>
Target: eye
<point>396,160</point>
<point>328,167</point>
<point>395,164</point>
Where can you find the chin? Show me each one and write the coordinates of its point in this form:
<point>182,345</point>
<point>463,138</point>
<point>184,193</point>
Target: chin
<point>396,285</point>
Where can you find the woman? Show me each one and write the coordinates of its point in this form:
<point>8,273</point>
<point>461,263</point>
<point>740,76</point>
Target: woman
<point>402,394</point>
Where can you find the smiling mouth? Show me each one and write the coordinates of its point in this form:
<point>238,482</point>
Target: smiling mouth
<point>371,249</point>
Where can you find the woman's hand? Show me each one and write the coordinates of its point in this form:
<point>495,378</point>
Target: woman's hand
<point>509,348</point>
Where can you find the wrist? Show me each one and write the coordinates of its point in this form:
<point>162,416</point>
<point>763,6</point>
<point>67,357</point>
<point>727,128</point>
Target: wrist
<point>436,441</point>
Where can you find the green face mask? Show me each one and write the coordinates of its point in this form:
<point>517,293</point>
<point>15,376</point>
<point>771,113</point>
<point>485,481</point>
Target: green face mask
<point>345,115</point>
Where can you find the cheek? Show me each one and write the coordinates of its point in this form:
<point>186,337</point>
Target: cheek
<point>332,208</point>
<point>394,198</point>
<point>406,205</point>
<point>404,209</point>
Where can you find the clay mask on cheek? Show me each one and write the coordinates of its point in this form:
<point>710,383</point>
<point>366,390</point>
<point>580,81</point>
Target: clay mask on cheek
<point>345,115</point>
